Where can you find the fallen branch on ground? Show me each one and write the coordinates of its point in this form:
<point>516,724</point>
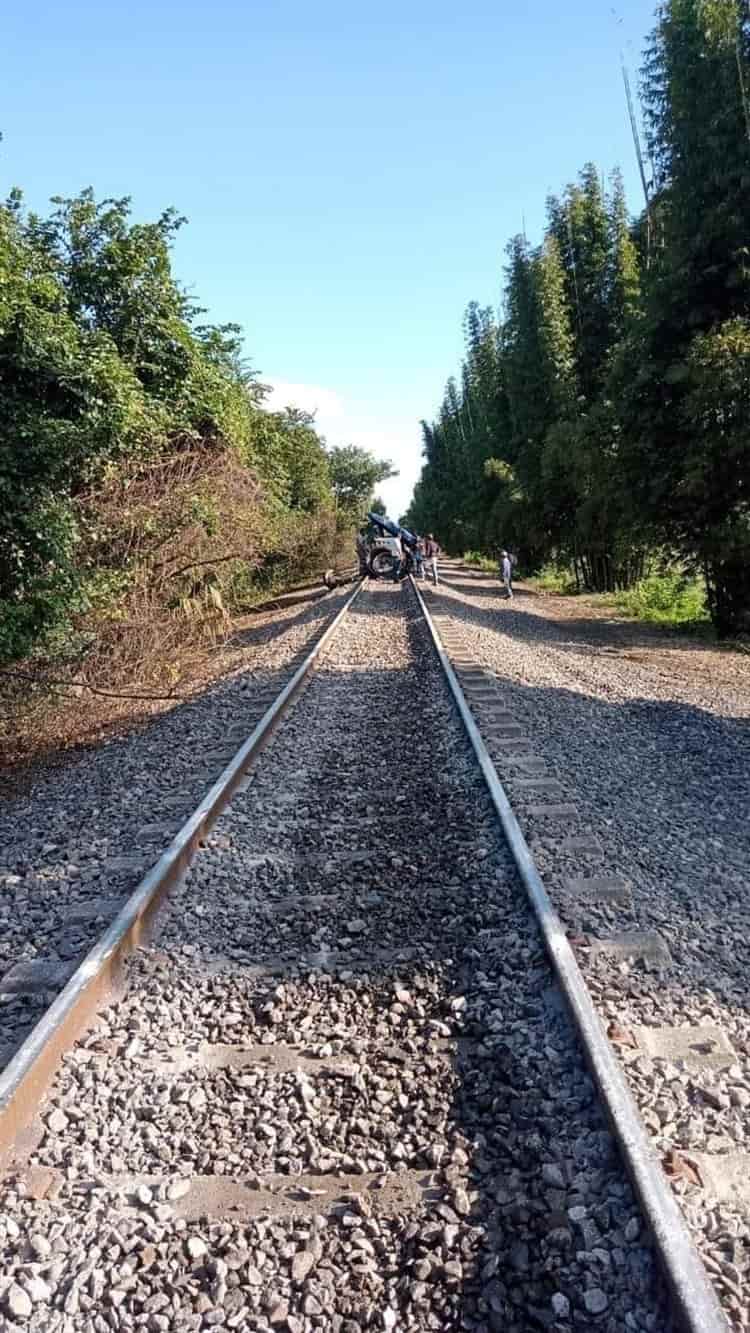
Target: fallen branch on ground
<point>84,685</point>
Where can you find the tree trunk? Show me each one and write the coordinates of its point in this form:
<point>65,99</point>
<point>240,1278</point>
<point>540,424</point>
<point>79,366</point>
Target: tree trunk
<point>728,592</point>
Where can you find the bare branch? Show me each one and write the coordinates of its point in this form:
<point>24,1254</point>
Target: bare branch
<point>84,685</point>
<point>218,560</point>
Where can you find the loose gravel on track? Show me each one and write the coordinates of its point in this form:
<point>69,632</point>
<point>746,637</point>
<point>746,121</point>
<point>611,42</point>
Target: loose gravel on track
<point>339,1091</point>
<point>75,842</point>
<point>648,736</point>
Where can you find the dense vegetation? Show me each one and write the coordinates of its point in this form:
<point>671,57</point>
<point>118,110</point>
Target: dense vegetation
<point>142,484</point>
<point>606,413</point>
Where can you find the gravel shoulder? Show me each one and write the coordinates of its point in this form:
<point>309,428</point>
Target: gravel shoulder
<point>648,737</point>
<point>582,628</point>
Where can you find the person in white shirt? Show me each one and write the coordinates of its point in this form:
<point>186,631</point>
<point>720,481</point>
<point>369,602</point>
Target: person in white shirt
<point>507,573</point>
<point>399,559</point>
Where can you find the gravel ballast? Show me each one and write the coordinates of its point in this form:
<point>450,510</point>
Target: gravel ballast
<point>339,1090</point>
<point>647,736</point>
<point>78,837</point>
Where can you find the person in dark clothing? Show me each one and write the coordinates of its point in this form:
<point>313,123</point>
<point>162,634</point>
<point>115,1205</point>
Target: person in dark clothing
<point>419,559</point>
<point>363,551</point>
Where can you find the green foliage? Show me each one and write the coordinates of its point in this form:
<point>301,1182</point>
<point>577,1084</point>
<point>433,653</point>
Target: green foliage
<point>665,599</point>
<point>522,454</point>
<point>293,459</point>
<point>607,412</point>
<point>480,561</point>
<point>683,382</point>
<point>555,578</point>
<point>105,370</point>
<point>67,406</point>
<point>354,474</point>
<point>52,587</point>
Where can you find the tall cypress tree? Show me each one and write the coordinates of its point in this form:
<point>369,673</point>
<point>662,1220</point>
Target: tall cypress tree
<point>612,407</point>
<point>580,225</point>
<point>623,276</point>
<point>687,432</point>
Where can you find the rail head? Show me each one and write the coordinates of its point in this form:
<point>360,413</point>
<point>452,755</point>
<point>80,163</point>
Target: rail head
<point>697,1306</point>
<point>29,1073</point>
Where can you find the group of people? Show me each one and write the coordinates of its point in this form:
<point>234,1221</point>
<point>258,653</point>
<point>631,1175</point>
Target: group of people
<point>409,552</point>
<point>426,552</point>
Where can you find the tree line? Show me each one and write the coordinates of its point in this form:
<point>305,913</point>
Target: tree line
<point>140,475</point>
<point>604,412</point>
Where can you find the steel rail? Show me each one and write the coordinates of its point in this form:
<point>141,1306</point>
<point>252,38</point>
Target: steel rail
<point>696,1304</point>
<point>29,1073</point>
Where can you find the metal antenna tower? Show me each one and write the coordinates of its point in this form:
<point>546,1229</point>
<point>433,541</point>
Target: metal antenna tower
<point>634,129</point>
<point>638,152</point>
<point>573,264</point>
<point>741,77</point>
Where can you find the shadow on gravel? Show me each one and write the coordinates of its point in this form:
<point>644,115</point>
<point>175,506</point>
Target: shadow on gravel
<point>313,610</point>
<point>525,1212</point>
<point>490,585</point>
<point>575,632</point>
<point>505,1139</point>
<point>665,786</point>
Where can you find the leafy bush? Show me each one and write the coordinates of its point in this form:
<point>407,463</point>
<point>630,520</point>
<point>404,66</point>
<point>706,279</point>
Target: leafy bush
<point>480,561</point>
<point>113,402</point>
<point>556,578</point>
<point>665,599</point>
<point>145,492</point>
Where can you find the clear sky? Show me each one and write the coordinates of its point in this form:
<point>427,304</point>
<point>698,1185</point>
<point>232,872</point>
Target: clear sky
<point>351,173</point>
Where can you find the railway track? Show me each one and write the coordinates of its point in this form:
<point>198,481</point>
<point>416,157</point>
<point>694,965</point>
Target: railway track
<point>649,913</point>
<point>334,1085</point>
<point>76,840</point>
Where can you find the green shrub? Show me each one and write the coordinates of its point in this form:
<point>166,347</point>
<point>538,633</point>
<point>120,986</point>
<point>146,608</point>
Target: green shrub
<point>670,598</point>
<point>555,578</point>
<point>480,561</point>
<point>139,472</point>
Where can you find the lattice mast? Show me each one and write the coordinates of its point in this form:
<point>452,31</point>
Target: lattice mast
<point>638,153</point>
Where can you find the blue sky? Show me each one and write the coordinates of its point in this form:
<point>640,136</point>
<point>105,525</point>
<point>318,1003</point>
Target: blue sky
<point>351,173</point>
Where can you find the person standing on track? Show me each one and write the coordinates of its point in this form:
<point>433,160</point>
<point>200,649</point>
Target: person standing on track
<point>362,551</point>
<point>399,559</point>
<point>506,568</point>
<point>419,559</point>
<point>431,553</point>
